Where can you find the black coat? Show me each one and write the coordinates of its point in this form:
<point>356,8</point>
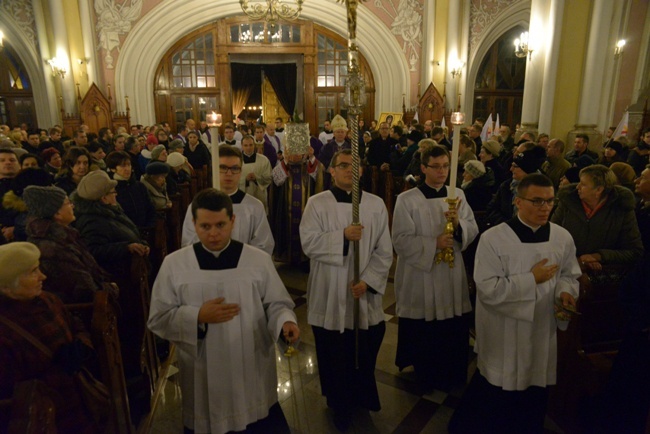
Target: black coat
<point>479,192</point>
<point>107,232</point>
<point>501,208</point>
<point>134,199</point>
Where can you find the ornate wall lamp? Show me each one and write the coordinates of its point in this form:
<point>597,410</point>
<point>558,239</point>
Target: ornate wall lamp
<point>271,10</point>
<point>619,47</point>
<point>2,36</point>
<point>456,68</point>
<point>522,46</point>
<point>58,67</point>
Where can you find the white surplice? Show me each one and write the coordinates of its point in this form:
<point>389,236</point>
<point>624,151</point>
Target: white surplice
<point>258,188</point>
<point>251,225</point>
<point>424,289</point>
<point>516,337</point>
<point>330,301</point>
<point>228,379</point>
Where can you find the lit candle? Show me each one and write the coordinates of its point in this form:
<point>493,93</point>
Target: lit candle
<point>457,119</point>
<point>214,121</point>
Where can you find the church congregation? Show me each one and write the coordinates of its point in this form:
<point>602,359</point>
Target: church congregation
<point>321,217</point>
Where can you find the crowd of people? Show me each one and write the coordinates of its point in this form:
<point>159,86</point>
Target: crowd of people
<point>74,211</point>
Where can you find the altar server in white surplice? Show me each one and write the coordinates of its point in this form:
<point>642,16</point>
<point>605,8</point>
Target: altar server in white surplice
<point>327,236</point>
<point>525,268</point>
<point>256,172</point>
<point>433,334</point>
<point>224,306</point>
<point>252,226</point>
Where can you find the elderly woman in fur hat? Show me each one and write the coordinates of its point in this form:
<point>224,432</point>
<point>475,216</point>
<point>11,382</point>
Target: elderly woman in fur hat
<point>74,274</point>
<point>155,179</point>
<point>24,305</point>
<point>478,182</point>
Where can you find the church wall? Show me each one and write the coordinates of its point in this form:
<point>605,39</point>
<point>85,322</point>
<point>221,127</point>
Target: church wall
<point>440,42</point>
<point>573,45</point>
<point>75,46</point>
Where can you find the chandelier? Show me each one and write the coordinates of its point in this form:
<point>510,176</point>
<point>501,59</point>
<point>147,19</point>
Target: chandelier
<point>271,10</point>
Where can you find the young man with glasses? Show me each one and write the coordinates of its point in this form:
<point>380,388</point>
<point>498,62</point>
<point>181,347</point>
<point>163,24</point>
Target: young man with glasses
<point>432,298</point>
<point>327,236</point>
<point>252,226</point>
<point>526,270</point>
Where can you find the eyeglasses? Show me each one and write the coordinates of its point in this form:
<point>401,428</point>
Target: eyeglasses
<point>538,203</point>
<point>343,166</point>
<point>437,167</point>
<point>233,169</point>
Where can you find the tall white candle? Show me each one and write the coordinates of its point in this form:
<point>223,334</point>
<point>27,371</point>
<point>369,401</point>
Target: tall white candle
<point>455,150</point>
<point>214,136</point>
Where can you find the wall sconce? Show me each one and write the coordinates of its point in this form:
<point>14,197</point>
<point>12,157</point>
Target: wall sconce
<point>522,48</point>
<point>2,36</point>
<point>58,67</point>
<point>619,47</point>
<point>456,68</point>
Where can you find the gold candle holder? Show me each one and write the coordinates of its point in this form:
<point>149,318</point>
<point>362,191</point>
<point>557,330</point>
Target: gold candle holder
<point>447,254</point>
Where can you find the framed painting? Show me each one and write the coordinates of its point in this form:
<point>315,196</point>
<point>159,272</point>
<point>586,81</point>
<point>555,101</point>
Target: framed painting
<point>390,118</point>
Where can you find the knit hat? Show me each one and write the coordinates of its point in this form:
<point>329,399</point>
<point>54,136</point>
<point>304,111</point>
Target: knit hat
<point>157,168</point>
<point>175,144</point>
<point>492,147</point>
<point>95,185</point>
<point>15,260</point>
<point>31,176</point>
<point>152,140</point>
<point>415,136</point>
<point>616,146</point>
<point>531,160</point>
<point>338,123</point>
<point>49,153</point>
<point>572,174</point>
<point>43,202</point>
<point>475,168</point>
<point>584,161</point>
<point>155,153</point>
<point>175,159</point>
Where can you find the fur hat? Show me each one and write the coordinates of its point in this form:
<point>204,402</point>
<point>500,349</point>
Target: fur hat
<point>31,176</point>
<point>475,168</point>
<point>175,159</point>
<point>155,152</point>
<point>15,260</point>
<point>157,168</point>
<point>624,173</point>
<point>43,202</point>
<point>176,144</point>
<point>530,161</point>
<point>616,146</point>
<point>492,147</point>
<point>95,185</point>
<point>338,123</point>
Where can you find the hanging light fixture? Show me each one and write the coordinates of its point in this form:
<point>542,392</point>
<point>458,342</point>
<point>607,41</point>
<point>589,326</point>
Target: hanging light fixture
<point>271,10</point>
<point>522,46</point>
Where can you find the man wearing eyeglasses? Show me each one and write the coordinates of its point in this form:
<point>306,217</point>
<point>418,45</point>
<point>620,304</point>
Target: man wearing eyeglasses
<point>252,226</point>
<point>526,269</point>
<point>327,237</point>
<point>432,298</point>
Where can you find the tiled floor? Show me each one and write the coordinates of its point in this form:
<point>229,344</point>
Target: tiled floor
<point>404,410</point>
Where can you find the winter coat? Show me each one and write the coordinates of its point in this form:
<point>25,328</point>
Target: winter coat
<point>72,272</point>
<point>107,232</point>
<point>501,208</point>
<point>134,199</point>
<point>158,196</point>
<point>612,232</point>
<point>15,204</point>
<point>479,191</point>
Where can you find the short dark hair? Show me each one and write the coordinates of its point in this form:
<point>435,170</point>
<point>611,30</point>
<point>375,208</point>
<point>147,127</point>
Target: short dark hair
<point>94,147</point>
<point>434,151</point>
<point>73,154</point>
<point>116,158</point>
<point>38,159</point>
<point>335,158</point>
<point>398,130</point>
<point>230,151</point>
<point>584,137</point>
<point>536,179</point>
<point>8,151</point>
<point>212,200</point>
<point>103,131</point>
<point>130,143</point>
<point>436,130</point>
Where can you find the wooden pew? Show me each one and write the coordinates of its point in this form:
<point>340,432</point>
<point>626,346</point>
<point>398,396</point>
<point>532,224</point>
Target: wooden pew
<point>31,409</point>
<point>586,350</point>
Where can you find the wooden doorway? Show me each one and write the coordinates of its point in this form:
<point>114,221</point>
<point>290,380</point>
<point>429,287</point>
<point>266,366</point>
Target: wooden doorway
<point>16,99</point>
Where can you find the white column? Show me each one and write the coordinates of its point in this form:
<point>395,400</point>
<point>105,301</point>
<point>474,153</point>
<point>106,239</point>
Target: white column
<point>427,57</point>
<point>54,114</point>
<point>594,67</point>
<point>539,36</point>
<point>61,50</point>
<point>554,30</point>
<point>463,50</point>
<point>88,35</point>
<point>453,53</point>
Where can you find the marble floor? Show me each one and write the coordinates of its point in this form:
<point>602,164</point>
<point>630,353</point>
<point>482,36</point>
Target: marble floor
<point>405,410</point>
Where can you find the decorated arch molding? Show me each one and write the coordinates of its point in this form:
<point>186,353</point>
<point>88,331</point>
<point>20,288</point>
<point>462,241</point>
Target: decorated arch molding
<point>172,19</point>
<point>516,15</point>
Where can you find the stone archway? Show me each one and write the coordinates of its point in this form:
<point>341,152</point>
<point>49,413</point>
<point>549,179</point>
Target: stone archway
<point>171,20</point>
<point>516,15</point>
